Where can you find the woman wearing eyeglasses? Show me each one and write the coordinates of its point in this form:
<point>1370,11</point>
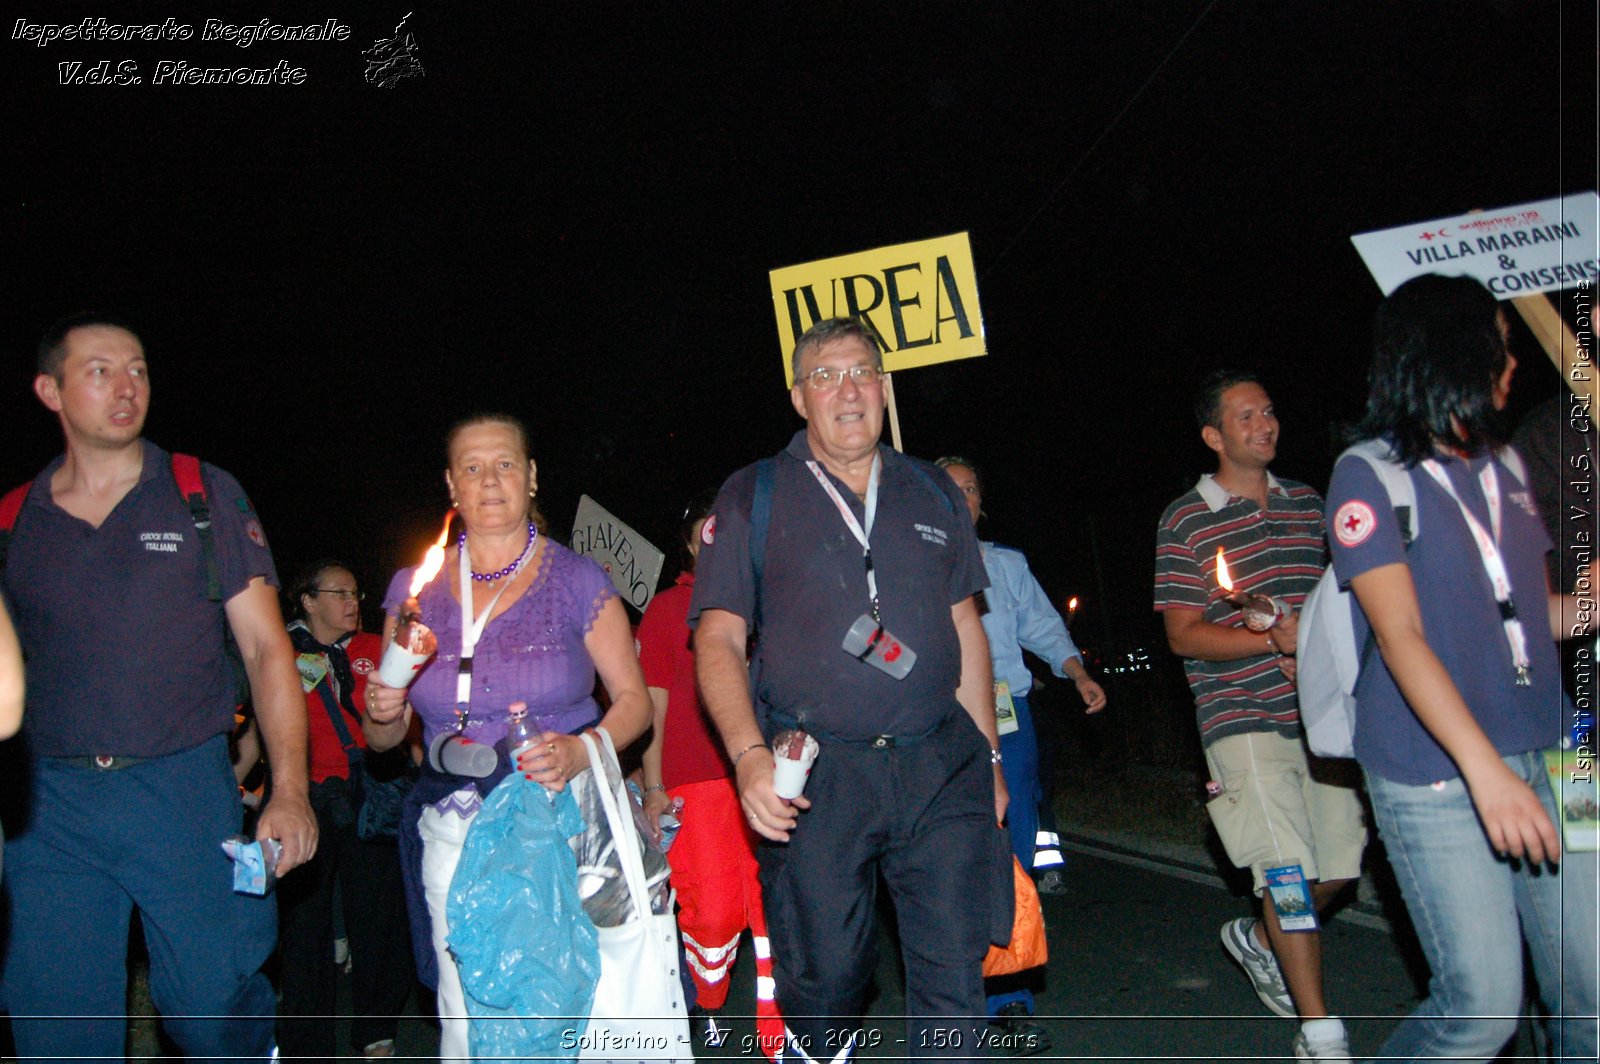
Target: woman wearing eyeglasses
<point>334,658</point>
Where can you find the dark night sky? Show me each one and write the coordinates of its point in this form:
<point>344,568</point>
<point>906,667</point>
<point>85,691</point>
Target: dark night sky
<point>572,216</point>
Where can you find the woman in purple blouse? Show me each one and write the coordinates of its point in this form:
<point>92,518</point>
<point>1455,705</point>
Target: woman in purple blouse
<point>545,621</point>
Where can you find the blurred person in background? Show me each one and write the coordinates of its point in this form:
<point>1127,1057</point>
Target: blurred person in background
<point>713,856</point>
<point>1018,616</point>
<point>334,658</point>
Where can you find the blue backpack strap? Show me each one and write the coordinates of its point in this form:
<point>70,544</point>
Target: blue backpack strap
<point>352,752</point>
<point>192,488</point>
<point>927,478</point>
<point>760,518</point>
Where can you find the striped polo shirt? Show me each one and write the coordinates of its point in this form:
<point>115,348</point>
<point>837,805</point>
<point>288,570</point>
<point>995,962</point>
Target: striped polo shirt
<point>1279,552</point>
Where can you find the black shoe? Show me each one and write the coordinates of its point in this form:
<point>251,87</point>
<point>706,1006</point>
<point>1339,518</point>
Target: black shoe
<point>1014,1033</point>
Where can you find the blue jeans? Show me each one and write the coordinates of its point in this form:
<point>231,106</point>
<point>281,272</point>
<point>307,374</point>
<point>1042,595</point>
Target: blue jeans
<point>1473,910</point>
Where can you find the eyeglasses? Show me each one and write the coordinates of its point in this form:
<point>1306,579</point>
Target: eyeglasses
<point>340,593</point>
<point>824,377</point>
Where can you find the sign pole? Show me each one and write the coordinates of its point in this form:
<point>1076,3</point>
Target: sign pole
<point>894,415</point>
<point>1574,364</point>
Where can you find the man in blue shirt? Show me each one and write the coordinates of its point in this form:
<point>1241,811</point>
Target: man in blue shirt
<point>1017,617</point>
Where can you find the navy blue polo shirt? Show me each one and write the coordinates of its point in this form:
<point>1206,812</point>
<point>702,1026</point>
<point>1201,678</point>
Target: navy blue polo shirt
<point>815,586</point>
<point>125,653</point>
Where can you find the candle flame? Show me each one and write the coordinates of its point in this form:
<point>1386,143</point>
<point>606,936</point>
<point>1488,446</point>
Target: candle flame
<point>1072,604</point>
<point>432,561</point>
<point>1223,576</point>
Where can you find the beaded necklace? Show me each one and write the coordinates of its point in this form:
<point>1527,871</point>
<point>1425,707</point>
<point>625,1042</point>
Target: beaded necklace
<point>489,578</point>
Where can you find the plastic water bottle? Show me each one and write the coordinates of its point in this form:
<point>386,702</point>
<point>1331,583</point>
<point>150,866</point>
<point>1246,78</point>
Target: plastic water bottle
<point>670,822</point>
<point>522,734</point>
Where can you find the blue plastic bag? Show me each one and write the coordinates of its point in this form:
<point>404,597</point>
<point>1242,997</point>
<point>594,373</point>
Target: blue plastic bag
<point>528,955</point>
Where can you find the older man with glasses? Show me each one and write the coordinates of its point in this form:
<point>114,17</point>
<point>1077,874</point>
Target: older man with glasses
<point>838,536</point>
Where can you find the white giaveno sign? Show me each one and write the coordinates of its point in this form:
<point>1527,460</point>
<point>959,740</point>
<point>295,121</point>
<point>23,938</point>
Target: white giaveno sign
<point>1514,251</point>
<point>632,562</point>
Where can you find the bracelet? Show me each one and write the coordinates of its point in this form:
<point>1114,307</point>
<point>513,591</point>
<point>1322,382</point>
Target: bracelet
<point>655,787</point>
<point>746,750</point>
<point>995,757</point>
<point>1272,646</point>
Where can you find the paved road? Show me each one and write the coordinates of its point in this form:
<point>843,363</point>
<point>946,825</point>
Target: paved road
<point>1136,973</point>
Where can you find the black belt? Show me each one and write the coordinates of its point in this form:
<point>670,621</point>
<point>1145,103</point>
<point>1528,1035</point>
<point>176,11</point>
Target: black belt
<point>874,742</point>
<point>101,762</point>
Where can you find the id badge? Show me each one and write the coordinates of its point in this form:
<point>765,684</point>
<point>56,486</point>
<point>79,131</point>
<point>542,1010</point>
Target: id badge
<point>1291,897</point>
<point>1572,782</point>
<point>312,667</point>
<point>1005,711</point>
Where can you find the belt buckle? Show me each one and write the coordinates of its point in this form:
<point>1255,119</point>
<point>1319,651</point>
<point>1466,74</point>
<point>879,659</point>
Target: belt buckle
<point>105,761</point>
<point>882,742</point>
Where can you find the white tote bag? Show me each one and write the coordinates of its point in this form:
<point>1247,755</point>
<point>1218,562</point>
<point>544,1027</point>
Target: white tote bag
<point>638,1012</point>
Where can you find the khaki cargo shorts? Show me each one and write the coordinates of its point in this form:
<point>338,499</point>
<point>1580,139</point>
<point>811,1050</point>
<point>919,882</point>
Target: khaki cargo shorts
<point>1272,812</point>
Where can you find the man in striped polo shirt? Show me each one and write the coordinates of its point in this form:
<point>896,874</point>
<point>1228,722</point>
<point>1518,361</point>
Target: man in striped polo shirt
<point>1267,808</point>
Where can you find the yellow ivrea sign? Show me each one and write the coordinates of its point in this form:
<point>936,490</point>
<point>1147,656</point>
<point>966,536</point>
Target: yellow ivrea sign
<point>920,298</point>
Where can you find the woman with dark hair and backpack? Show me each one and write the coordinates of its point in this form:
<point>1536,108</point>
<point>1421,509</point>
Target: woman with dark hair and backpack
<point>1463,695</point>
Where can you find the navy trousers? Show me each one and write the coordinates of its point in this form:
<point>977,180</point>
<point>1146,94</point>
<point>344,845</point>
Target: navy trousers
<point>96,845</point>
<point>922,814</point>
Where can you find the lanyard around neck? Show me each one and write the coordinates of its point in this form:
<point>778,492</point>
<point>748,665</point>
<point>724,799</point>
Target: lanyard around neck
<point>862,534</point>
<point>472,627</point>
<point>1494,565</point>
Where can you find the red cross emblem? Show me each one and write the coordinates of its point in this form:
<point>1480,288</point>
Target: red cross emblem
<point>1353,523</point>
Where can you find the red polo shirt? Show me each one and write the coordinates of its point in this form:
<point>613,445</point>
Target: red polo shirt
<point>690,750</point>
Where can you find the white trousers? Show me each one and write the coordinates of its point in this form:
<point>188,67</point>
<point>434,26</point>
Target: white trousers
<point>442,837</point>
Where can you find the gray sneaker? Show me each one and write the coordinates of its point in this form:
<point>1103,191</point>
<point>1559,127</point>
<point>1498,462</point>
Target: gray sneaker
<point>1239,939</point>
<point>1322,1039</point>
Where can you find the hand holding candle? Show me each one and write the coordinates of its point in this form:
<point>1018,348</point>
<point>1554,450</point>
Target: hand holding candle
<point>1260,611</point>
<point>414,642</point>
<point>793,753</point>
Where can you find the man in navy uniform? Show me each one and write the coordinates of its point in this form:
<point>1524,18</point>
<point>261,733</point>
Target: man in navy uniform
<point>131,697</point>
<point>907,783</point>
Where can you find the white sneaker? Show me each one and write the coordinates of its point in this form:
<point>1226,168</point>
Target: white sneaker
<point>1322,1039</point>
<point>1239,939</point>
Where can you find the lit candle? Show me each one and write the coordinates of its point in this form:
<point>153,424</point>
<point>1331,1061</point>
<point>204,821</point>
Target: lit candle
<point>414,642</point>
<point>1260,611</point>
